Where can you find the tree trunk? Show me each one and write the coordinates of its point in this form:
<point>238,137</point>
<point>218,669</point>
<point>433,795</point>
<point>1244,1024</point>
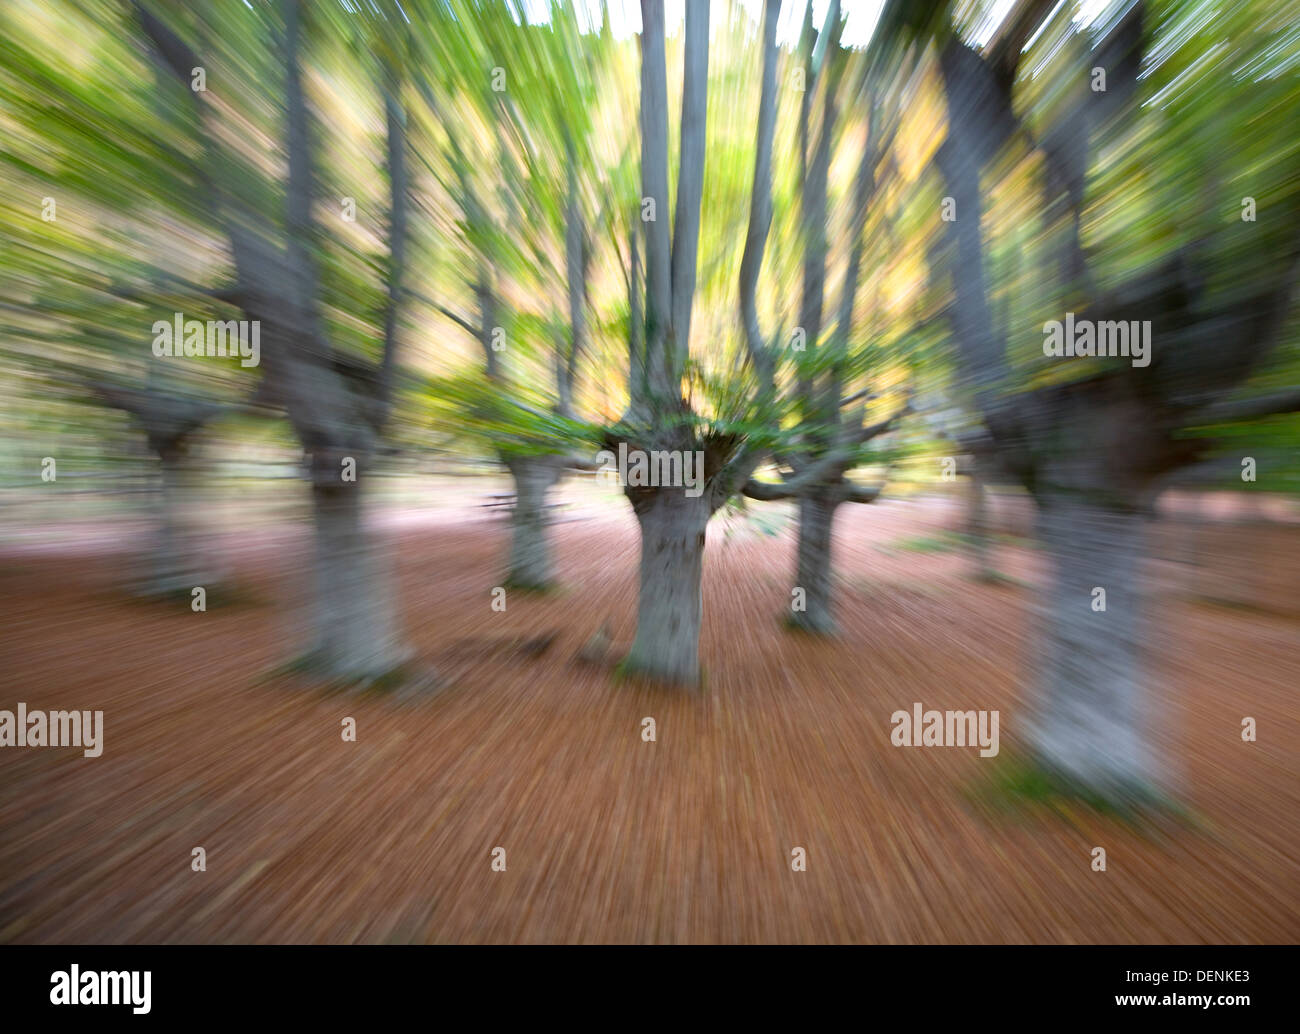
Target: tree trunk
<point>670,606</point>
<point>813,568</point>
<point>171,565</point>
<point>1090,718</point>
<point>530,544</point>
<point>977,523</point>
<point>355,636</point>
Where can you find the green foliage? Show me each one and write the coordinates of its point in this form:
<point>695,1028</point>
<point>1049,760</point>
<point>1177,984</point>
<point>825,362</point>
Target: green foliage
<point>491,420</point>
<point>92,123</point>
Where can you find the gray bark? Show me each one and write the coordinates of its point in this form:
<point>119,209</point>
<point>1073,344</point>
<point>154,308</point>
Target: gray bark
<point>636,368</point>
<point>1090,715</point>
<point>354,632</point>
<point>813,565</point>
<point>172,565</point>
<point>395,116</point>
<point>1093,450</point>
<point>760,206</point>
<point>654,184</point>
<point>670,605</point>
<point>690,177</point>
<point>575,266</point>
<point>530,546</point>
<point>977,521</point>
<point>353,624</point>
<point>672,523</point>
<point>169,422</point>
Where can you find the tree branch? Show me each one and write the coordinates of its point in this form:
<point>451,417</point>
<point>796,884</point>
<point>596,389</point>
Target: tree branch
<point>576,273</point>
<point>1286,401</point>
<point>395,115</point>
<point>760,205</point>
<point>766,490</point>
<point>813,198</point>
<point>690,177</point>
<point>654,186</point>
<point>855,493</point>
<point>456,318</point>
<point>886,425</point>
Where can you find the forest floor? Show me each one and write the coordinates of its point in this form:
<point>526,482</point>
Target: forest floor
<point>607,838</point>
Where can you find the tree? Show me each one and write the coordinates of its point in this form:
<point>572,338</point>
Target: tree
<point>337,405</point>
<point>518,208</point>
<point>659,425</point>
<point>832,427</point>
<point>98,295</point>
<point>1095,446</point>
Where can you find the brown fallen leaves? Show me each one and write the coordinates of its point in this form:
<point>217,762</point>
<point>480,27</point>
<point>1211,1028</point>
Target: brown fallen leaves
<point>609,838</point>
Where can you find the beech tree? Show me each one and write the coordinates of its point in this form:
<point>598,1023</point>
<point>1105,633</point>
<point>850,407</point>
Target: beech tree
<point>660,421</point>
<point>93,344</point>
<point>1094,447</point>
<point>337,404</point>
<point>832,425</point>
<point>659,418</point>
<point>525,225</point>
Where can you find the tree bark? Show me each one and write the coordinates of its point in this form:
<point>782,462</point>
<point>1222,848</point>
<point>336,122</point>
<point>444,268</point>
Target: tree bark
<point>659,382</point>
<point>1090,716</point>
<point>670,605</point>
<point>690,176</point>
<point>977,522</point>
<point>171,565</point>
<point>353,629</point>
<point>355,632</point>
<point>530,545</point>
<point>813,566</point>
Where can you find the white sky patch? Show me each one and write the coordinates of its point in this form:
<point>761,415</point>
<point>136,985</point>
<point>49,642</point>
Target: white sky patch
<point>988,24</point>
<point>625,17</point>
<point>1089,11</point>
<point>862,17</point>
